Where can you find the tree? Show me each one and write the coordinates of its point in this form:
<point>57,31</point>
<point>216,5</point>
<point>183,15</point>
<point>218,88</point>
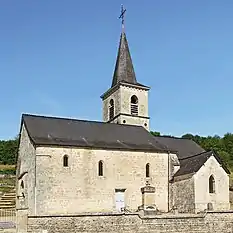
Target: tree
<point>8,151</point>
<point>155,133</point>
<point>223,146</point>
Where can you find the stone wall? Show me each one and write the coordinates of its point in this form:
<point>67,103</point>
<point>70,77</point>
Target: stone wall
<point>133,223</point>
<point>122,97</point>
<point>134,120</point>
<point>142,95</point>
<point>26,172</point>
<point>183,194</point>
<point>116,96</point>
<point>78,188</point>
<point>220,198</point>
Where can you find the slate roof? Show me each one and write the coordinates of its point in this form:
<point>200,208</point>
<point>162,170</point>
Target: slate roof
<point>184,147</point>
<point>191,156</point>
<point>193,163</point>
<point>45,130</point>
<point>124,70</point>
<point>71,132</point>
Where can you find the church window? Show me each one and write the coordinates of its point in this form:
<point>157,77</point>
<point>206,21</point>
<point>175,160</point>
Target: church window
<point>134,105</point>
<point>22,184</point>
<point>147,170</point>
<point>211,184</point>
<point>65,161</point>
<point>111,109</point>
<point>101,168</point>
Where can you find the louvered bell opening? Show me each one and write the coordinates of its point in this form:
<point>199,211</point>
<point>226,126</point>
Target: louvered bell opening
<point>111,112</point>
<point>134,109</point>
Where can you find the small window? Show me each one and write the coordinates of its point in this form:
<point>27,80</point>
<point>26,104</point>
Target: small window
<point>111,109</point>
<point>101,168</point>
<point>65,161</point>
<point>22,184</point>
<point>134,105</point>
<point>211,184</point>
<point>147,170</point>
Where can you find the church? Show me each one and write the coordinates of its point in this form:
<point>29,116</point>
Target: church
<point>70,166</point>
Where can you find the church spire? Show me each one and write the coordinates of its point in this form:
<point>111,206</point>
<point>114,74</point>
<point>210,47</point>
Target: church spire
<point>126,102</point>
<point>124,71</point>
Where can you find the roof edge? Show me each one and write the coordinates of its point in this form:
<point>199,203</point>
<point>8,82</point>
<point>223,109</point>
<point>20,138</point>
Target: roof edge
<point>115,87</point>
<point>26,128</point>
<point>101,148</point>
<point>183,177</point>
<point>221,162</point>
<point>214,154</point>
<point>192,156</point>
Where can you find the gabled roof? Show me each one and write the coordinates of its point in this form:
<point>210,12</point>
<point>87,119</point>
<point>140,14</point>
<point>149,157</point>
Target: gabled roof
<point>45,130</point>
<point>184,147</point>
<point>193,163</point>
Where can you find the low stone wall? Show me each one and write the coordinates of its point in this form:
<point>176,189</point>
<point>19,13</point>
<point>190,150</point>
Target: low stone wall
<point>221,222</point>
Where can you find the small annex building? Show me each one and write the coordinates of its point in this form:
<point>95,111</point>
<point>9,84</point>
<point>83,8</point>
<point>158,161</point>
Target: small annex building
<point>68,166</point>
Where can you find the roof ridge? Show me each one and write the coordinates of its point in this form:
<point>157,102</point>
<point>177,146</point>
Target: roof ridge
<point>173,137</point>
<point>80,120</point>
<point>192,156</point>
<point>49,130</point>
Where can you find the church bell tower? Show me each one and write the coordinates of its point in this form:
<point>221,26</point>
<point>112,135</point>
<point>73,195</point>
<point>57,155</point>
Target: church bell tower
<point>126,102</point>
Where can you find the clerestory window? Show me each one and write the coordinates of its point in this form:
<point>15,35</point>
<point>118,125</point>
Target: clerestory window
<point>101,168</point>
<point>65,161</point>
<point>147,170</point>
<point>22,184</point>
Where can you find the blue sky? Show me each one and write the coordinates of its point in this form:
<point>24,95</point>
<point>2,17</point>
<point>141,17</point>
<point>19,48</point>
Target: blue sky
<point>57,58</point>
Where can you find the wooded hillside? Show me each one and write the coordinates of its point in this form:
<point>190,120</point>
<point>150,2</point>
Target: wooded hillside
<point>222,145</point>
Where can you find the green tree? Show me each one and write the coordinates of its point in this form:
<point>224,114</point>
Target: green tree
<point>155,133</point>
<point>223,146</point>
<point>8,151</point>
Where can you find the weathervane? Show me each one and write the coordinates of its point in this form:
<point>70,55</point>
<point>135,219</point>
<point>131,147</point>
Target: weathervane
<point>122,16</point>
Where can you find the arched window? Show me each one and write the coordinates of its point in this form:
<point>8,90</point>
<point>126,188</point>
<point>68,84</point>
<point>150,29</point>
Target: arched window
<point>65,161</point>
<point>111,109</point>
<point>134,105</point>
<point>211,184</point>
<point>147,170</point>
<point>22,184</point>
<point>101,168</point>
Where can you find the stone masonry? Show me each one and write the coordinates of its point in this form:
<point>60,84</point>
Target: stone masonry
<point>219,199</point>
<point>26,172</point>
<point>78,188</point>
<point>121,97</point>
<point>218,222</point>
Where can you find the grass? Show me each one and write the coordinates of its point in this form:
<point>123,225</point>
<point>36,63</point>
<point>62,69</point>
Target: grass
<point>7,181</point>
<point>6,189</point>
<point>7,167</point>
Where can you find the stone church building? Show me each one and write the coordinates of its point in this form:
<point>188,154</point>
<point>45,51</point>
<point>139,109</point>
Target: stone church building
<point>70,166</point>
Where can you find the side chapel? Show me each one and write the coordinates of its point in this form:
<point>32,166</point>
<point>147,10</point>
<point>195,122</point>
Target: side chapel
<point>68,166</point>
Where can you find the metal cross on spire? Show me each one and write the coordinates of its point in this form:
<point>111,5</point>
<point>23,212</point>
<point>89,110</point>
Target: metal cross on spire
<point>122,16</point>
